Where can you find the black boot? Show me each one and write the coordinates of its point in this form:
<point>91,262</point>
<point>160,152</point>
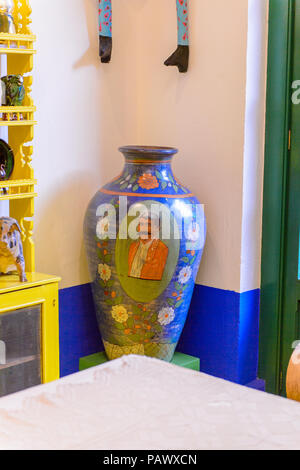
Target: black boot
<point>180,58</point>
<point>105,48</point>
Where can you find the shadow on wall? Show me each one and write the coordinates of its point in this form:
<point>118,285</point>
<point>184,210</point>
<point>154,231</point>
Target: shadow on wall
<point>93,122</point>
<point>88,58</point>
<point>66,206</point>
<point>119,90</point>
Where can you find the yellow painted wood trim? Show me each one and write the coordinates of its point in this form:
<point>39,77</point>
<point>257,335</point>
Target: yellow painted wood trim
<point>26,304</point>
<point>10,283</point>
<point>17,123</point>
<point>18,37</point>
<point>16,183</point>
<point>17,109</point>
<point>50,335</point>
<point>11,197</point>
<point>12,50</point>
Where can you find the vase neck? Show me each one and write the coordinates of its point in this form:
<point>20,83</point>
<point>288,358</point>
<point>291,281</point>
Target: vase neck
<point>147,171</point>
<point>147,159</point>
<point>143,155</point>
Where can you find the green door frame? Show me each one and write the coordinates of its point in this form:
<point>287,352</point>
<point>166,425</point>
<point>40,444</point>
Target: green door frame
<point>275,183</point>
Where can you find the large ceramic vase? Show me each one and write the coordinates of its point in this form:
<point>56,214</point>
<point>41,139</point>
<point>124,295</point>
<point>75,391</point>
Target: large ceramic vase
<point>144,236</point>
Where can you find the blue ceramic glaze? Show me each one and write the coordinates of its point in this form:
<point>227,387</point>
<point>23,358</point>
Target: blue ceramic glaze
<point>144,235</point>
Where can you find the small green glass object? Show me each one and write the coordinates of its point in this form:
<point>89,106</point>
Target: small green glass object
<point>15,90</point>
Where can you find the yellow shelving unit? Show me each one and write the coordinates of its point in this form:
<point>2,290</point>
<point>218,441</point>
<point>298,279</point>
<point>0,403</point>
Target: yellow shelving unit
<point>20,191</point>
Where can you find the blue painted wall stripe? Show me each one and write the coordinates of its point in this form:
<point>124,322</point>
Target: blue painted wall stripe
<point>248,336</point>
<point>210,332</point>
<point>222,330</point>
<point>79,335</point>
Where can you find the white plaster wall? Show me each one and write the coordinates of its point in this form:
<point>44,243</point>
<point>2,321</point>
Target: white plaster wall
<point>87,109</point>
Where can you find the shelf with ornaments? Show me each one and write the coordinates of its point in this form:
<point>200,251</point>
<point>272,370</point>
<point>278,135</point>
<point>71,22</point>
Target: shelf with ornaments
<point>18,186</point>
<point>17,189</point>
<point>21,287</point>
<point>20,189</point>
<point>17,116</point>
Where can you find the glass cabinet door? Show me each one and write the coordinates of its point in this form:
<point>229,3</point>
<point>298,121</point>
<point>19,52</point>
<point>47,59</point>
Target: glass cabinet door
<point>20,334</point>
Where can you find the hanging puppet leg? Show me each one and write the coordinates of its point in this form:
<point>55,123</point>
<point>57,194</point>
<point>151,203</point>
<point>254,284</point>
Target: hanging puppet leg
<point>180,57</point>
<point>105,27</point>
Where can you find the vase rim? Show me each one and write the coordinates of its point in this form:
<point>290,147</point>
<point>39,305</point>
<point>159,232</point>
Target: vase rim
<point>145,152</point>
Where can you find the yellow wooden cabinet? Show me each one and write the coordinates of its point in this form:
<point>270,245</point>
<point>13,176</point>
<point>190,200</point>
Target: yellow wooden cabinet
<point>29,331</point>
<point>32,305</point>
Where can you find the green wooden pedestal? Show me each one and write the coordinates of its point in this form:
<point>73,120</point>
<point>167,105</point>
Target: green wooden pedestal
<point>182,360</point>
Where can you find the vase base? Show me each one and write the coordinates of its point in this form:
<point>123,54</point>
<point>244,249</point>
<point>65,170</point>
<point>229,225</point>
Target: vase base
<point>163,351</point>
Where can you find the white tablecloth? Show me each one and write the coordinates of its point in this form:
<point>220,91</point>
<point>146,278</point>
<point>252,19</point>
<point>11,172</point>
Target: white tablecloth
<point>141,403</point>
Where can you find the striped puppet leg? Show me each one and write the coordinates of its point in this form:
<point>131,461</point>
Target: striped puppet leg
<point>105,30</point>
<point>180,58</point>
